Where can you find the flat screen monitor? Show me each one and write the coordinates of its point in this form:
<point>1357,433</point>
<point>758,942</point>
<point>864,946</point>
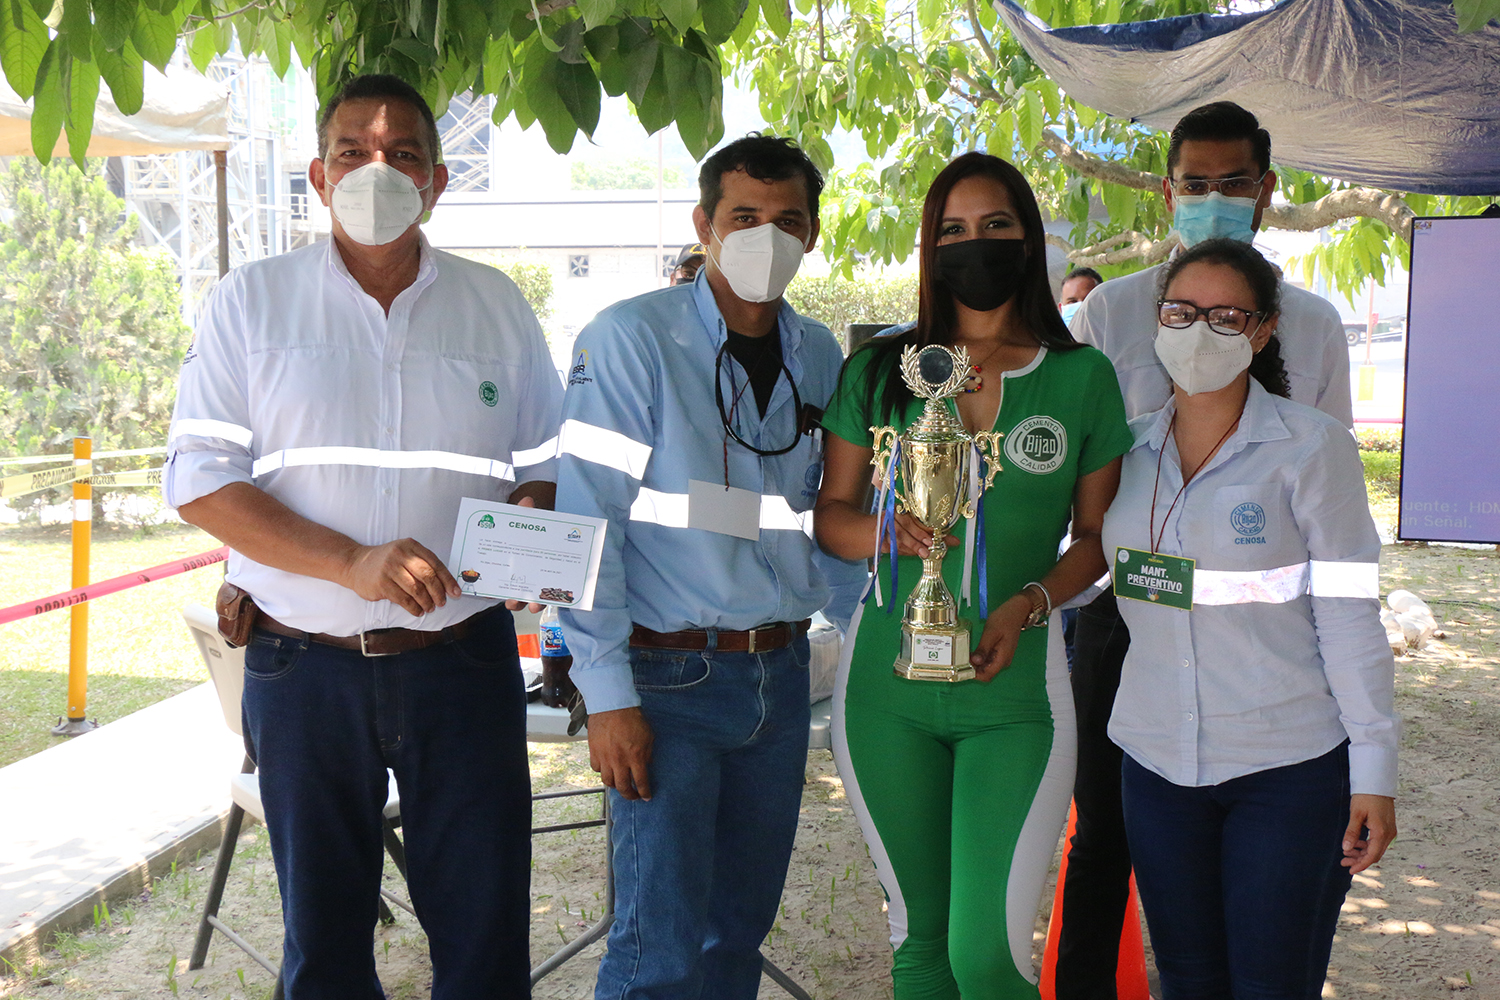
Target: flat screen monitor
<point>1450,442</point>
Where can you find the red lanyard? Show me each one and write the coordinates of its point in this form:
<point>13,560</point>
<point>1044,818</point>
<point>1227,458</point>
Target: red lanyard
<point>1151,533</point>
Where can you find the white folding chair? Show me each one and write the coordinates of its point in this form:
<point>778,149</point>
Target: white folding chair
<point>226,666</point>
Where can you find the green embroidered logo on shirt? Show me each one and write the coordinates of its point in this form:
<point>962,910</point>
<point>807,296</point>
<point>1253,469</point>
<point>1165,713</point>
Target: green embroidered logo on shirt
<point>1038,444</point>
<point>488,394</point>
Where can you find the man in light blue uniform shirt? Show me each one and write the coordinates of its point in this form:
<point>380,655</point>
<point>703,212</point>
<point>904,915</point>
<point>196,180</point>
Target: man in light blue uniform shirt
<point>688,425</point>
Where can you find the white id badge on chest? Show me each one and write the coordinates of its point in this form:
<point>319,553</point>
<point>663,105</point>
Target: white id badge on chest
<point>725,510</point>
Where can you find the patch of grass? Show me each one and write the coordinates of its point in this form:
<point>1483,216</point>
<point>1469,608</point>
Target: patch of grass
<point>139,650</point>
<point>1382,474</point>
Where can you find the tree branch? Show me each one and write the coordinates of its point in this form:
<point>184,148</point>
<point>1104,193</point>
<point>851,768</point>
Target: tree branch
<point>227,14</point>
<point>1382,206</point>
<point>1097,168</point>
<point>984,43</point>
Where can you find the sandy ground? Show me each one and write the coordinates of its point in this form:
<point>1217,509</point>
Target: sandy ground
<point>1424,924</point>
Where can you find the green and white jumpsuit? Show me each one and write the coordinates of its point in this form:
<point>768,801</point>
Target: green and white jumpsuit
<point>961,789</point>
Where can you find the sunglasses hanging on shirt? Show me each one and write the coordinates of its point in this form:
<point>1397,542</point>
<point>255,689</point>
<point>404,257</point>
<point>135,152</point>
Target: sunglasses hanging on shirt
<point>808,417</point>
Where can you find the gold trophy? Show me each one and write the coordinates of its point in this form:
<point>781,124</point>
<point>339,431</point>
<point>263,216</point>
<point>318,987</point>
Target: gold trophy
<point>935,466</point>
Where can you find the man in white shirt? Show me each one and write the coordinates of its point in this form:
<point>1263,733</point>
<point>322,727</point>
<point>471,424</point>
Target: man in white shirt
<point>337,404</point>
<point>1219,182</point>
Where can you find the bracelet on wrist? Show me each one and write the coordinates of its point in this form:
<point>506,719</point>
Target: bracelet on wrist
<point>1040,613</point>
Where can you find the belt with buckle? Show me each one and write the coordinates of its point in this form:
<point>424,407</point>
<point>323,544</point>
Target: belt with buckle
<point>756,640</point>
<point>381,641</point>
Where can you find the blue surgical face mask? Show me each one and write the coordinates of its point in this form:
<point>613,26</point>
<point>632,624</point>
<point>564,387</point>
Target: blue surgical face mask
<point>1069,311</point>
<point>1213,216</point>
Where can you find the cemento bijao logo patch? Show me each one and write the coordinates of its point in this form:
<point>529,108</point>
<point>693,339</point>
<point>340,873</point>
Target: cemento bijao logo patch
<point>488,393</point>
<point>1038,444</point>
<point>1248,518</point>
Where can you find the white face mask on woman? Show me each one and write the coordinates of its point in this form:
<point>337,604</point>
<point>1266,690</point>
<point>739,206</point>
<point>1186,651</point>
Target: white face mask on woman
<point>1200,360</point>
<point>376,203</point>
<point>758,263</point>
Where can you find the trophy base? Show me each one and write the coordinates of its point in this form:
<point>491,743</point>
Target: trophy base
<point>936,654</point>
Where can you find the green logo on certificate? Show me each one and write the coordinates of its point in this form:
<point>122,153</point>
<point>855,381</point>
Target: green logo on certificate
<point>485,521</point>
<point>488,393</point>
<point>1154,578</point>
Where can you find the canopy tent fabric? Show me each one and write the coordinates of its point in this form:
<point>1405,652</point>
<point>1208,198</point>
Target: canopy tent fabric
<point>181,110</point>
<point>1379,92</point>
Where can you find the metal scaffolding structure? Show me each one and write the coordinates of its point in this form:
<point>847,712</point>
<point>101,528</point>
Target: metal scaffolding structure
<point>175,195</point>
<point>268,212</point>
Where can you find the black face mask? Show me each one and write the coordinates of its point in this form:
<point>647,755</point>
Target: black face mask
<point>983,274</point>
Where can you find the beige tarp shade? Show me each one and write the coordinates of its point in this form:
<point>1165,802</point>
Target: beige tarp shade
<point>181,110</point>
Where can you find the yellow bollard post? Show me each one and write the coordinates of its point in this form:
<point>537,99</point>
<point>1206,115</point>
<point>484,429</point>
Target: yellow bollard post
<point>78,643</point>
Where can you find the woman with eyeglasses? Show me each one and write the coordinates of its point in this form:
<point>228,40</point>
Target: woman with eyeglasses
<point>1255,706</point>
<point>961,787</point>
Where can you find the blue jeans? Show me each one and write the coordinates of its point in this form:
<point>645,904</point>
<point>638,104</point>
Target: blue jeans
<point>699,868</point>
<point>324,724</point>
<point>1241,881</point>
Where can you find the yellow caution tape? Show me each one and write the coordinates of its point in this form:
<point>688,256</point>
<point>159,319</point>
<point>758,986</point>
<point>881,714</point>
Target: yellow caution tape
<point>34,482</point>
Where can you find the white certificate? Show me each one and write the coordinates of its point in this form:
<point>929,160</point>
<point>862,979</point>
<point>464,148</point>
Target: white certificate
<point>527,554</point>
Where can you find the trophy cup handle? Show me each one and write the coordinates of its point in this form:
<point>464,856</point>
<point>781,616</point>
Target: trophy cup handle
<point>989,445</point>
<point>884,444</point>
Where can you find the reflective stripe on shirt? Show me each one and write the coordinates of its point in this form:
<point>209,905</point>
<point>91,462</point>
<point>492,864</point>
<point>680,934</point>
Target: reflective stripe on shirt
<point>535,456</point>
<point>603,446</point>
<point>1286,583</point>
<point>381,459</point>
<point>670,510</point>
<point>203,427</point>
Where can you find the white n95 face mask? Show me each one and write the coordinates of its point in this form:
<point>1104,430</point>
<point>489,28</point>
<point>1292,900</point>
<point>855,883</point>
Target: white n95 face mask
<point>759,263</point>
<point>376,203</point>
<point>1200,360</point>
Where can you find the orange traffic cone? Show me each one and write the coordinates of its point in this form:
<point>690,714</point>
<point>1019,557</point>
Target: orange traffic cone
<point>1130,975</point>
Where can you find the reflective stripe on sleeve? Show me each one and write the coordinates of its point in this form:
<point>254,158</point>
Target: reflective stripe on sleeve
<point>777,515</point>
<point>670,510</point>
<point>1266,586</point>
<point>203,427</point>
<point>528,457</point>
<point>1345,579</point>
<point>378,459</point>
<point>603,446</point>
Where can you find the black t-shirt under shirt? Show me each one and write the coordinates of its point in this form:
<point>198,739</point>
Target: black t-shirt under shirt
<point>761,359</point>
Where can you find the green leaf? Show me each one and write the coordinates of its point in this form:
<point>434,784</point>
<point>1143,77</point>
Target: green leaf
<point>418,52</point>
<point>82,92</point>
<point>721,18</point>
<point>1475,14</point>
<point>688,96</point>
<point>579,90</point>
<point>47,108</point>
<point>78,29</point>
<point>749,21</point>
<point>124,72</point>
<point>1031,120</point>
<point>928,12</point>
<point>603,42</point>
<point>155,37</point>
<point>680,13</point>
<point>202,47</point>
<point>541,79</point>
<point>655,109</point>
<point>277,35</point>
<point>595,12</point>
<point>778,17</point>
<point>642,55</point>
<point>23,41</point>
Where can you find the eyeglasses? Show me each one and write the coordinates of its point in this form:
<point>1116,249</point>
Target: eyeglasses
<point>1229,187</point>
<point>1226,320</point>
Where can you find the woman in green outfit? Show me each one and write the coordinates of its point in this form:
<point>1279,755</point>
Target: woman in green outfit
<point>961,788</point>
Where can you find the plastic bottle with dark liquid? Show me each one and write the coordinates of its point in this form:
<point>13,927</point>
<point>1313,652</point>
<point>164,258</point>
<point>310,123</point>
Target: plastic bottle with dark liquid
<point>557,687</point>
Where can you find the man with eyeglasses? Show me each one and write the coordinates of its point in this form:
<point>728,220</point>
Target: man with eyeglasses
<point>690,425</point>
<point>1219,182</point>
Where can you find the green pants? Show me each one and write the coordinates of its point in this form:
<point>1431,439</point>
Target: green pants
<point>961,791</point>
